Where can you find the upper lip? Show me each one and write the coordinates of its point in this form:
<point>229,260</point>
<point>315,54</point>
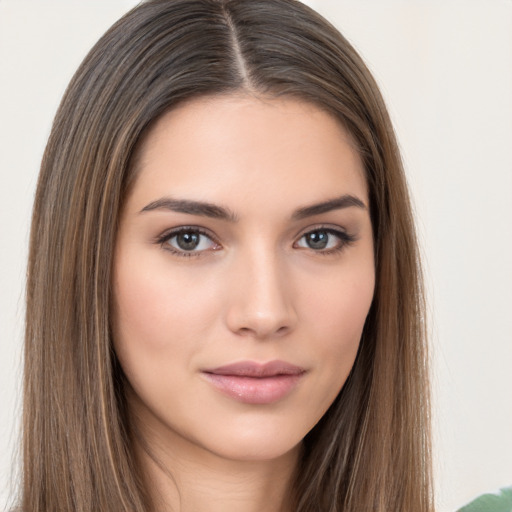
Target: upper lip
<point>255,369</point>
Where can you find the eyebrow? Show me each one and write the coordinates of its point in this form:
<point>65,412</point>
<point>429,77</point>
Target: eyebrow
<point>338,203</point>
<point>190,207</point>
<point>205,209</point>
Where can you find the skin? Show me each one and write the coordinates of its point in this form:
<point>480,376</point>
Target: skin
<point>254,289</point>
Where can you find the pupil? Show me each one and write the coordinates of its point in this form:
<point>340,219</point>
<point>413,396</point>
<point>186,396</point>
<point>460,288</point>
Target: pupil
<point>187,241</point>
<point>317,239</point>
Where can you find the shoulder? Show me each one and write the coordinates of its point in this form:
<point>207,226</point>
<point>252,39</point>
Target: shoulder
<point>500,501</point>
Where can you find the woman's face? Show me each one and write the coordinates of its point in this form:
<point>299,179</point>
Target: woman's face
<point>243,275</point>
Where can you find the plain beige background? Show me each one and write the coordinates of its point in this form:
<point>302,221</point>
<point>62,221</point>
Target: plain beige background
<point>445,68</point>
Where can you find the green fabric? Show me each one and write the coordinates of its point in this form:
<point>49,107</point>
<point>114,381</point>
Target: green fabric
<point>500,502</point>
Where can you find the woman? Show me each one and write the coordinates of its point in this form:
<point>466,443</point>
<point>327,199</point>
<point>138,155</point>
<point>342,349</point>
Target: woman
<point>224,305</point>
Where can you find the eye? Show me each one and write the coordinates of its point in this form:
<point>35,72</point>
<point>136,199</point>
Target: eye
<point>325,240</point>
<point>187,241</point>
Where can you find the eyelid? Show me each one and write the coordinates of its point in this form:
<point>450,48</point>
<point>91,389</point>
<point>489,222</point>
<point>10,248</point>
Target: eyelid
<point>170,233</point>
<point>344,236</point>
<point>341,233</point>
<point>332,228</point>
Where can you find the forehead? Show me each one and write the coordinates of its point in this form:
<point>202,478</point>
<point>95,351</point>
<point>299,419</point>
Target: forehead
<point>240,148</point>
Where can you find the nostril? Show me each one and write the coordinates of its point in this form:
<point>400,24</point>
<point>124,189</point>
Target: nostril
<point>263,332</point>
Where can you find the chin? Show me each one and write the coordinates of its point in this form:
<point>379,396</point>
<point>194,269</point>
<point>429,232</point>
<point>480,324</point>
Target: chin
<point>258,450</point>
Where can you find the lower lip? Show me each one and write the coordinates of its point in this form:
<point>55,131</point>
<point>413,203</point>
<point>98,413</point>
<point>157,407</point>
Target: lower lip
<point>254,390</point>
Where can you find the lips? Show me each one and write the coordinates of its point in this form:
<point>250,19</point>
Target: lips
<point>255,383</point>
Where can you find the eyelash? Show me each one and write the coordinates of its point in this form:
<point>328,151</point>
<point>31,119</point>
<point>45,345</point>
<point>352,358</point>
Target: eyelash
<point>161,240</point>
<point>345,240</point>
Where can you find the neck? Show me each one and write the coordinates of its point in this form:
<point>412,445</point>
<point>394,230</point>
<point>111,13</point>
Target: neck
<point>185,478</point>
<point>211,484</point>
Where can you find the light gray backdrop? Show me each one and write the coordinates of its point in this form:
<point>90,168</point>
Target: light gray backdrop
<point>445,68</point>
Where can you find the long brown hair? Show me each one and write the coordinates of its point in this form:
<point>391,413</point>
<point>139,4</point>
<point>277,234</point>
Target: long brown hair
<point>371,450</point>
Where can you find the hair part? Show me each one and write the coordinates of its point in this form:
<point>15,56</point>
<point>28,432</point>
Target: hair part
<point>371,450</point>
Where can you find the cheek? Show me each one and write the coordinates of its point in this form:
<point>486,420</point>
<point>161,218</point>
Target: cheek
<point>141,320</point>
<point>158,310</point>
<point>160,323</point>
<point>337,314</point>
<point>338,304</point>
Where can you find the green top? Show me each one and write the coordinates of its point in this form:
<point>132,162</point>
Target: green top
<point>499,502</point>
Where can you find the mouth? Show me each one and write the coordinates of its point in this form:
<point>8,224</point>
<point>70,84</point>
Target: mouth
<point>255,383</point>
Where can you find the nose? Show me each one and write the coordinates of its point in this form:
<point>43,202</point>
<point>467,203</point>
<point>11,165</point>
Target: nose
<point>261,301</point>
